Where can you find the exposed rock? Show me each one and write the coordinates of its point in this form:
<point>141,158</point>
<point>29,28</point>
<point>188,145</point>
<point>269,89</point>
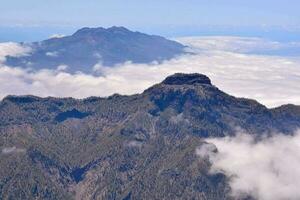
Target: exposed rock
<point>187,79</point>
<point>127,147</point>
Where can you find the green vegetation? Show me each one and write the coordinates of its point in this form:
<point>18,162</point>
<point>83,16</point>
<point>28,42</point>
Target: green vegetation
<point>125,147</point>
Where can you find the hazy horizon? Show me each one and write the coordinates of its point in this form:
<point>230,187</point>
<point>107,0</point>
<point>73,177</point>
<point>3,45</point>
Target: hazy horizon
<point>34,20</point>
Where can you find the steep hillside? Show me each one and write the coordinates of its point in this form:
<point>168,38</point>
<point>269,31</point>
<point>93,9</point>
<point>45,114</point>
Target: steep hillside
<point>126,147</point>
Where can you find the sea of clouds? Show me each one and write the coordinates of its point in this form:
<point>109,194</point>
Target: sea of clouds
<point>230,62</point>
<point>267,169</point>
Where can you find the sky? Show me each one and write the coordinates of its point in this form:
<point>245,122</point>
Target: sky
<point>248,48</point>
<point>34,19</point>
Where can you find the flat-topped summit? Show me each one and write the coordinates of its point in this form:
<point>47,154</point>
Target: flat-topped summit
<point>187,79</point>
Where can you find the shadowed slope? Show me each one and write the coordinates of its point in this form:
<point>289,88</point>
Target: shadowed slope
<point>90,46</point>
<point>126,147</point>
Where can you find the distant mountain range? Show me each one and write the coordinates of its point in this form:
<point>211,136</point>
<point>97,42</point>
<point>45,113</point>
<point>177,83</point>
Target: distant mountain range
<point>126,147</point>
<point>90,46</point>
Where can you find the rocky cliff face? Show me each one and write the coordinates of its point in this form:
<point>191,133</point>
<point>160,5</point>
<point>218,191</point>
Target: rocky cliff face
<point>126,147</point>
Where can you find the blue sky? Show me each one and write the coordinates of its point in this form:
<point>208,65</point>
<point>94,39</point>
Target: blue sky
<point>35,19</point>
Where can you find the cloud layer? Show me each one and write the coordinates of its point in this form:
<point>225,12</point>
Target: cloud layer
<point>272,80</point>
<point>242,45</point>
<point>268,169</point>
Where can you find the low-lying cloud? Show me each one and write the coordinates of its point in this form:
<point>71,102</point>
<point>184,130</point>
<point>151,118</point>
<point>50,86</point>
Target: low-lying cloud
<point>12,150</point>
<point>242,45</point>
<point>268,169</point>
<point>272,80</point>
<point>13,49</point>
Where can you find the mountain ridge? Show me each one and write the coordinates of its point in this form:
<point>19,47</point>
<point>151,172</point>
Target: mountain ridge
<point>175,79</point>
<point>88,47</point>
<point>127,147</point>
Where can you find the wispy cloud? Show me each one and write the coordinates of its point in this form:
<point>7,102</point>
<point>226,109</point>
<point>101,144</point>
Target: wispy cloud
<point>11,150</point>
<point>245,45</point>
<point>13,49</point>
<point>52,54</point>
<point>272,80</point>
<point>57,36</point>
<point>268,169</point>
<point>231,44</point>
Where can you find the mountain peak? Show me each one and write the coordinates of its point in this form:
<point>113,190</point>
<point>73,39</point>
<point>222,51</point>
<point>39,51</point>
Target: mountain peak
<point>98,30</point>
<point>89,46</point>
<point>187,79</point>
<point>117,28</point>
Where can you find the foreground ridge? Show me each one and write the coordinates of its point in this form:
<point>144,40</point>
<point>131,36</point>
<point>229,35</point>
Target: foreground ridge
<point>126,147</point>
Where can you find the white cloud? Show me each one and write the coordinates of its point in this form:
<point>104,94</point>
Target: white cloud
<point>62,67</point>
<point>268,169</point>
<point>272,80</point>
<point>231,44</point>
<point>236,44</point>
<point>57,36</point>
<point>206,150</point>
<point>12,49</point>
<point>11,150</point>
<point>52,54</point>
